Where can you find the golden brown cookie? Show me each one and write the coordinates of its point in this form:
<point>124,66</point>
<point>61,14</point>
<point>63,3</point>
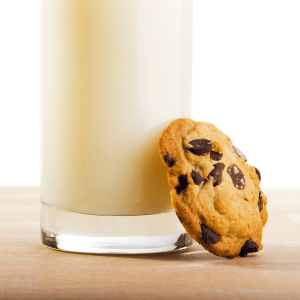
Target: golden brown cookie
<point>215,193</point>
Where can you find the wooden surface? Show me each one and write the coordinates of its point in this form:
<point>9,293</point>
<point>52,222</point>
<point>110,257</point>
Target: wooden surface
<point>28,270</point>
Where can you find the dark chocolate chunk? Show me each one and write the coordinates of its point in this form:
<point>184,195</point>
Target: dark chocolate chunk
<point>215,155</point>
<point>258,173</point>
<point>249,247</point>
<point>259,203</point>
<point>49,239</point>
<point>239,153</point>
<point>217,173</point>
<point>182,184</point>
<point>209,236</point>
<point>184,240</point>
<point>237,177</point>
<point>198,179</point>
<point>169,160</point>
<point>200,146</point>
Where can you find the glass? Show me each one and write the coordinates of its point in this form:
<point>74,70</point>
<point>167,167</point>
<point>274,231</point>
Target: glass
<point>114,75</point>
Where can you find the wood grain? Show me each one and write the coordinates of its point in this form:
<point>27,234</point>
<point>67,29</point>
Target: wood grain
<point>28,270</point>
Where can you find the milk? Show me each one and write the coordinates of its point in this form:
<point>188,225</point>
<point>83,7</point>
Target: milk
<point>115,74</point>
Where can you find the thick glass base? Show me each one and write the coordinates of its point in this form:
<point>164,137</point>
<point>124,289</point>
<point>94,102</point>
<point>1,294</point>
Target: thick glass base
<point>68,231</point>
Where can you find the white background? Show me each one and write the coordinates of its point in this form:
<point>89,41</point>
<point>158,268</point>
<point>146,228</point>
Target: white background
<point>246,80</point>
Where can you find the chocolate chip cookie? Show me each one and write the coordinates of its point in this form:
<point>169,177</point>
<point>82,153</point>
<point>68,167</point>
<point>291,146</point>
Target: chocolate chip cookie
<point>215,193</point>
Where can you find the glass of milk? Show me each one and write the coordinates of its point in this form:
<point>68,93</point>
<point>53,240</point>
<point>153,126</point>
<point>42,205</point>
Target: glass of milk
<point>115,73</point>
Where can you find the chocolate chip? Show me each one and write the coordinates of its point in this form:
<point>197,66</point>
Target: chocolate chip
<point>209,236</point>
<point>217,173</point>
<point>198,179</point>
<point>239,153</point>
<point>200,146</point>
<point>215,155</point>
<point>184,240</point>
<point>182,184</point>
<point>249,247</point>
<point>169,160</point>
<point>258,173</point>
<point>259,203</point>
<point>49,239</point>
<point>237,177</point>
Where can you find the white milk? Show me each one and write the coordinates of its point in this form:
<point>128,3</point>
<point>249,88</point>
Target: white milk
<point>115,73</point>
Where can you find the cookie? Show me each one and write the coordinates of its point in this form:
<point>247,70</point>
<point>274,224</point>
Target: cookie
<point>215,193</point>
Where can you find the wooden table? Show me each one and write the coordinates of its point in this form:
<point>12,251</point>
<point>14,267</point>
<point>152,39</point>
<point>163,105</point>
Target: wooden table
<point>28,270</point>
